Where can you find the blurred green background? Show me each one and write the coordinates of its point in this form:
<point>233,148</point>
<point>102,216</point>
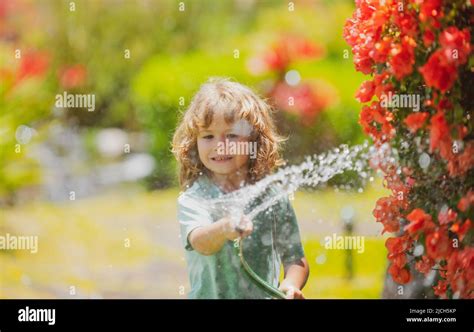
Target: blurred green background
<point>85,182</point>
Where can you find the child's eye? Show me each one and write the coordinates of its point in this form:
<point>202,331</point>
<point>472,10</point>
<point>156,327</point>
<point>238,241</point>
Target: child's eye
<point>208,137</point>
<point>232,136</point>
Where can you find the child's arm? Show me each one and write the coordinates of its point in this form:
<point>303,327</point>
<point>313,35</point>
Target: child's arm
<point>296,275</point>
<point>208,240</point>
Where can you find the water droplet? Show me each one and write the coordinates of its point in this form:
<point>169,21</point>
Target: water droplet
<point>292,77</point>
<point>321,259</point>
<point>418,250</point>
<point>24,134</point>
<point>424,160</point>
<point>26,280</point>
<point>347,212</point>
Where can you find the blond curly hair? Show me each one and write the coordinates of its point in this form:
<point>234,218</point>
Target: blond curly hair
<point>238,102</point>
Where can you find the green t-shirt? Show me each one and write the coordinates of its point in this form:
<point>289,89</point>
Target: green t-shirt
<point>275,239</point>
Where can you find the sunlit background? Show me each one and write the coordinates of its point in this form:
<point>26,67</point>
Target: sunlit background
<point>99,188</point>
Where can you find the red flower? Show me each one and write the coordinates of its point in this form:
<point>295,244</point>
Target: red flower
<point>289,49</point>
<point>466,159</point>
<point>399,260</point>
<point>460,272</point>
<point>461,229</point>
<point>424,265</point>
<point>32,64</point>
<point>438,244</point>
<point>306,102</point>
<point>466,202</point>
<point>416,120</point>
<point>277,59</point>
<point>430,11</point>
<point>461,163</point>
<point>419,222</point>
<point>399,275</point>
<point>440,137</point>
<point>362,31</point>
<point>381,50</point>
<point>72,77</point>
<point>362,60</point>
<point>365,92</point>
<point>376,121</point>
<point>396,245</point>
<point>428,38</point>
<point>441,288</point>
<point>387,212</point>
<point>382,87</point>
<point>444,105</point>
<point>406,21</point>
<point>446,216</point>
<point>456,44</point>
<point>438,72</point>
<point>306,49</point>
<point>402,57</point>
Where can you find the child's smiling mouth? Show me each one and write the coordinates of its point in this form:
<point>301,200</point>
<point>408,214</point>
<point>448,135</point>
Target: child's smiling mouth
<point>221,159</point>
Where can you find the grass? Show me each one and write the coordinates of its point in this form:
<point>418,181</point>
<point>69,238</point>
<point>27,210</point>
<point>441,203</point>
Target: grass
<point>328,277</point>
<point>82,246</point>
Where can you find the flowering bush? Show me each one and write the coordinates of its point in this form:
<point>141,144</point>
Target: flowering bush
<point>27,89</point>
<point>421,51</point>
<point>21,106</point>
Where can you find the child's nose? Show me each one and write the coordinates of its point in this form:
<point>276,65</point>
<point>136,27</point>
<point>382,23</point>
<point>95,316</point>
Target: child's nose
<point>222,138</point>
<point>220,141</point>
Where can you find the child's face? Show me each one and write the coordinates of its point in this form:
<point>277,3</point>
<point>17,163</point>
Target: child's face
<point>215,147</point>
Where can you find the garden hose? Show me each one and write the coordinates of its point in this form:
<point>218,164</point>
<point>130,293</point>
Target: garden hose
<point>272,291</point>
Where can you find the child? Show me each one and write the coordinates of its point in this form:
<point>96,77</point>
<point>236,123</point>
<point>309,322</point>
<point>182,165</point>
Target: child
<point>222,114</point>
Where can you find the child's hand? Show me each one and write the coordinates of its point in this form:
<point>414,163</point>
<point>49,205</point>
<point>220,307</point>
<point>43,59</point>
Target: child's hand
<point>243,229</point>
<point>292,292</point>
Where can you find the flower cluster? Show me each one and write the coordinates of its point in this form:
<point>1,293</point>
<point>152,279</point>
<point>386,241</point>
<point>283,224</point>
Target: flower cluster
<point>304,98</point>
<point>420,51</point>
